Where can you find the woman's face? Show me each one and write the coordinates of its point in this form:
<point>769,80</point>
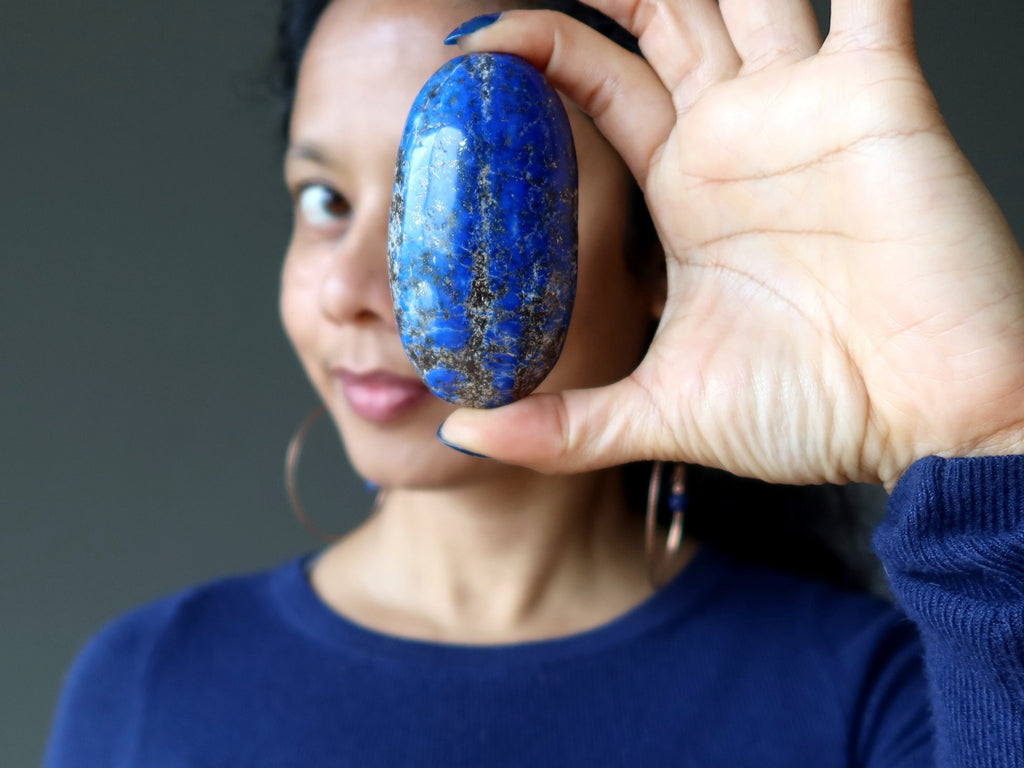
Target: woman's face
<point>365,63</point>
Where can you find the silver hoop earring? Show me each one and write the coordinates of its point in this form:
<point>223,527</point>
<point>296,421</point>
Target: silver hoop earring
<point>677,506</point>
<point>291,470</point>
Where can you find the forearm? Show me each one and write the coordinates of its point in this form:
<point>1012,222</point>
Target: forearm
<point>953,547</point>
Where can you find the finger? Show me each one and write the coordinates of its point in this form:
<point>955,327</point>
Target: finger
<point>573,431</point>
<point>771,32</point>
<point>871,24</point>
<point>685,41</point>
<point>616,88</point>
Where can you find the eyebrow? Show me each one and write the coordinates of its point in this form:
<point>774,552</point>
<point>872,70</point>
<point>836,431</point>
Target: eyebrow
<point>308,151</point>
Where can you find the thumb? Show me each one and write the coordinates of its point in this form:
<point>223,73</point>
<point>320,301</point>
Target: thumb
<point>573,431</point>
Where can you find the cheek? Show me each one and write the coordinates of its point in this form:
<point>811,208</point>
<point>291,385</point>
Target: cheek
<point>612,313</point>
<point>609,323</point>
<point>298,304</point>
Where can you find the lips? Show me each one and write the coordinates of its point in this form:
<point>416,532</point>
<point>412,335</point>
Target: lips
<point>380,396</point>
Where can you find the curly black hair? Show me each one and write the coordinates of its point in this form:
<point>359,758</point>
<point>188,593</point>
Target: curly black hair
<point>814,531</point>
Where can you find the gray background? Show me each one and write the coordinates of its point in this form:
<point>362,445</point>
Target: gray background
<point>148,390</point>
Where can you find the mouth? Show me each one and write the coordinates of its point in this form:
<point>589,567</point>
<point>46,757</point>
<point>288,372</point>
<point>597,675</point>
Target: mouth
<point>380,396</point>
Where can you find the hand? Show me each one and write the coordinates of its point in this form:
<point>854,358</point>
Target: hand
<point>844,296</point>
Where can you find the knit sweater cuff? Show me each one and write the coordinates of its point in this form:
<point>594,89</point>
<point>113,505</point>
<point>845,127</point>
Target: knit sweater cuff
<point>952,545</point>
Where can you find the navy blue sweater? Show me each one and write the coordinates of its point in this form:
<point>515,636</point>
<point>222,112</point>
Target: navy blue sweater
<point>728,665</point>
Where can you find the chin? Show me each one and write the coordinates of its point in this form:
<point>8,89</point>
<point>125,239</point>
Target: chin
<point>436,472</point>
<point>406,453</point>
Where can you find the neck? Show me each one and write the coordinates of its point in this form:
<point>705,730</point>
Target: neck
<point>523,556</point>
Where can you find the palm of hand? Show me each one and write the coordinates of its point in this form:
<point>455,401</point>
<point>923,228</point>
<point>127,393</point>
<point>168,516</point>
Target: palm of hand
<point>844,296</point>
<point>826,290</point>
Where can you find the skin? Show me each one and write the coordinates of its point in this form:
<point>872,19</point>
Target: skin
<point>461,549</point>
<point>844,296</point>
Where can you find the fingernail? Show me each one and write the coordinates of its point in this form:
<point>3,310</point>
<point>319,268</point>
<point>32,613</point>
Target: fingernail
<point>457,448</point>
<point>371,486</point>
<point>468,27</point>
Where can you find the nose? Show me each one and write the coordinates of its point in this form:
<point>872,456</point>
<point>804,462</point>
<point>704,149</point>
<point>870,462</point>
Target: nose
<point>354,287</point>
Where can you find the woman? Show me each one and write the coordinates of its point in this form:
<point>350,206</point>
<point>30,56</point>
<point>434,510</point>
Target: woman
<point>843,300</point>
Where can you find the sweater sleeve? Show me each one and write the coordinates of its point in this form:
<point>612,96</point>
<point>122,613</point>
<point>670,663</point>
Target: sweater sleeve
<point>952,544</point>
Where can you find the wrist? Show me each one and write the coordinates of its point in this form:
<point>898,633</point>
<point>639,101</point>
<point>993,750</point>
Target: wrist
<point>1008,442</point>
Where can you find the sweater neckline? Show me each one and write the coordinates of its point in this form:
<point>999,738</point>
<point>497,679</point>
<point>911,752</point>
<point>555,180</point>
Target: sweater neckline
<point>300,605</point>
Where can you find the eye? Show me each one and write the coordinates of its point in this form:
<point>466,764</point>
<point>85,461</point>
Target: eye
<point>321,206</point>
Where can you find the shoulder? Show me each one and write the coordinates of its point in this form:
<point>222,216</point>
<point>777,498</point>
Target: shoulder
<point>799,609</point>
<point>831,638</point>
<point>807,666</point>
<point>109,681</point>
<point>138,632</point>
<point>859,654</point>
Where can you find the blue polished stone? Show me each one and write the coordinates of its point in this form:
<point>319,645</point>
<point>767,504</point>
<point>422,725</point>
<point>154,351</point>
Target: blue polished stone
<point>482,237</point>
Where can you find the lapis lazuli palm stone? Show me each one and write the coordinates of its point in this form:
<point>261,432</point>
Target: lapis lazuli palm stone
<point>483,230</point>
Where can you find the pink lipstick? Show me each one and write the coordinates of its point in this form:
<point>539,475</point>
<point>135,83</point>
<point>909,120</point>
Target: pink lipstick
<point>380,396</point>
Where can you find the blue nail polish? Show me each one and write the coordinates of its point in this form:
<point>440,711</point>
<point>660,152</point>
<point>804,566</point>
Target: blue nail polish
<point>371,486</point>
<point>456,448</point>
<point>468,27</point>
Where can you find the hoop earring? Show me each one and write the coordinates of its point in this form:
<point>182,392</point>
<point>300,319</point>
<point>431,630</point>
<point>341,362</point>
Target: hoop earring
<point>677,506</point>
<point>291,470</point>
